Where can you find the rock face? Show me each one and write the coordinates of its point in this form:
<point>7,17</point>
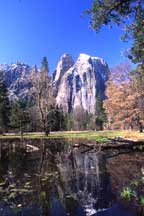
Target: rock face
<point>81,83</point>
<point>74,84</point>
<point>64,64</point>
<point>18,78</point>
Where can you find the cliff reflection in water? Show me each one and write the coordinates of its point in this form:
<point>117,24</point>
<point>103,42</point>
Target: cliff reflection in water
<point>84,179</point>
<point>57,180</point>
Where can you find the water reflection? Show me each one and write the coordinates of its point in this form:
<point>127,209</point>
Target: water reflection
<point>85,179</point>
<point>57,180</point>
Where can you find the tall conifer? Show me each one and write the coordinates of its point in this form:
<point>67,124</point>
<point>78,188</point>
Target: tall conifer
<point>4,105</point>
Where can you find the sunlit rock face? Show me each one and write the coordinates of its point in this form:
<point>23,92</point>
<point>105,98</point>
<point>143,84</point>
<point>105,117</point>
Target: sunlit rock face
<point>18,78</point>
<point>74,85</point>
<point>81,83</point>
<point>64,64</point>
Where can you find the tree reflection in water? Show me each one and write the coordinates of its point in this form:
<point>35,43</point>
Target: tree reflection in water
<point>57,180</point>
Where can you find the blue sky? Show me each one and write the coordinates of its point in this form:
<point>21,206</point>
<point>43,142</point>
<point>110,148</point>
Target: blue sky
<point>31,29</point>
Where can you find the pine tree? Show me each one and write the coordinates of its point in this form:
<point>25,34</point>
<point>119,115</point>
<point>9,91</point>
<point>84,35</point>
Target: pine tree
<point>56,118</point>
<point>129,15</point>
<point>4,105</point>
<point>44,65</point>
<point>100,113</point>
<point>137,29</point>
<point>138,89</point>
<point>69,121</point>
<point>19,117</point>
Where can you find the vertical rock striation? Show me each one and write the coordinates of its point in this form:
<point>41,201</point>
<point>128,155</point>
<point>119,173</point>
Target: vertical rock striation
<point>74,84</point>
<point>81,83</point>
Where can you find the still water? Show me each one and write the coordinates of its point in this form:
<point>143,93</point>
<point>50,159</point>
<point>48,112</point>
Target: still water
<point>56,179</point>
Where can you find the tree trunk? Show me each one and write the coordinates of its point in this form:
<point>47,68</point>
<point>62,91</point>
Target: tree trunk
<point>21,130</point>
<point>47,132</point>
<point>140,128</point>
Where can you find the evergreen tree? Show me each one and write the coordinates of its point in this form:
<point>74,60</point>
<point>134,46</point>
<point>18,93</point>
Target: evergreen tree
<point>137,30</point>
<point>56,118</point>
<point>127,13</point>
<point>60,118</point>
<point>69,121</point>
<point>138,88</point>
<point>19,117</point>
<point>44,65</point>
<point>4,105</point>
<point>130,15</point>
<point>100,113</point>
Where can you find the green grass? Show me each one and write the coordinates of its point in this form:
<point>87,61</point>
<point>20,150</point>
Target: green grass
<point>101,136</point>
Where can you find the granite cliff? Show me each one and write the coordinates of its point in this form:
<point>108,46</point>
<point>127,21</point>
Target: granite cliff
<point>74,83</point>
<point>18,78</point>
<point>81,83</point>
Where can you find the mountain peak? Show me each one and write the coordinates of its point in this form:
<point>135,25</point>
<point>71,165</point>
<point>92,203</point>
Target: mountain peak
<point>83,57</point>
<point>74,84</point>
<point>66,55</point>
<point>81,84</point>
<point>64,64</point>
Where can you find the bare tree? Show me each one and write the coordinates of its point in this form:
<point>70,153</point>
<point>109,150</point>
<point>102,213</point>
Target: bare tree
<point>42,86</point>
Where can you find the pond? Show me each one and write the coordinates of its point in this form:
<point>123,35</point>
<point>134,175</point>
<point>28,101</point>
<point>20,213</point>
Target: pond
<point>56,179</point>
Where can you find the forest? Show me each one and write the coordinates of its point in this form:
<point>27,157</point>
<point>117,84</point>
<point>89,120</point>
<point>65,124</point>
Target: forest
<point>121,109</point>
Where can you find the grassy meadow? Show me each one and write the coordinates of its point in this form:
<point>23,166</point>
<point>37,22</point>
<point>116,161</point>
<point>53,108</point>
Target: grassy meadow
<point>101,136</point>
